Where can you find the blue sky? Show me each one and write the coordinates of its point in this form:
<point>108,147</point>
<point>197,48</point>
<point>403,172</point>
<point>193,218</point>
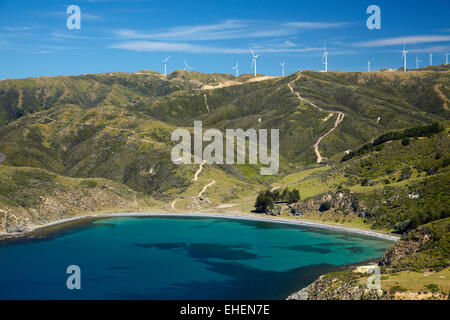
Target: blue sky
<point>212,35</point>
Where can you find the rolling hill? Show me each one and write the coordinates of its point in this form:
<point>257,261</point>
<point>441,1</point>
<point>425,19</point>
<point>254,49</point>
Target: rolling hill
<point>116,128</point>
<point>365,150</point>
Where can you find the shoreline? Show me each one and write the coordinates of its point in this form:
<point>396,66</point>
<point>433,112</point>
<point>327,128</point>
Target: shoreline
<point>231,216</point>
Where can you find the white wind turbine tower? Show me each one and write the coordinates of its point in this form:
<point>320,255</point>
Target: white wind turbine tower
<point>236,68</point>
<point>282,64</point>
<point>325,58</point>
<point>187,67</point>
<point>368,64</point>
<point>404,56</point>
<point>254,59</point>
<point>446,58</point>
<point>431,59</point>
<point>417,61</point>
<point>165,65</point>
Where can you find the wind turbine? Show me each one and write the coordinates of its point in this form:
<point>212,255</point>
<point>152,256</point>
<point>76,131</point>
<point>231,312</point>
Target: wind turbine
<point>165,65</point>
<point>404,56</point>
<point>417,61</point>
<point>368,65</point>
<point>254,59</point>
<point>325,58</point>
<point>236,68</point>
<point>187,67</point>
<point>446,58</point>
<point>431,59</point>
<point>282,64</point>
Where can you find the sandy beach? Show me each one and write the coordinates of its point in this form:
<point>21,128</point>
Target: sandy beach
<point>235,216</point>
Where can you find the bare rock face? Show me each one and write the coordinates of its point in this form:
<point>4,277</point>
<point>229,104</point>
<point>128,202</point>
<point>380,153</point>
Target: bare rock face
<point>62,205</point>
<point>405,247</point>
<point>342,201</point>
<point>300,295</point>
<point>342,286</point>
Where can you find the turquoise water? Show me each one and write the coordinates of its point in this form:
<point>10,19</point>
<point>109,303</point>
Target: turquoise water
<point>177,258</point>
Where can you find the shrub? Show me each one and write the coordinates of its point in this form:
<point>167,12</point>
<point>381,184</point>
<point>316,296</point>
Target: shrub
<point>445,163</point>
<point>432,287</point>
<point>294,196</point>
<point>365,182</point>
<point>396,288</point>
<point>379,147</point>
<point>264,202</point>
<point>89,184</point>
<point>325,206</point>
<point>405,141</point>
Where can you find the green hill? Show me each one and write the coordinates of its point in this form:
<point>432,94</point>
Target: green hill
<point>117,127</point>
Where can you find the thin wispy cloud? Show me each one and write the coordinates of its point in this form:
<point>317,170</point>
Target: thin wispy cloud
<point>408,40</point>
<point>85,16</point>
<point>230,29</point>
<point>91,17</point>
<point>20,28</point>
<point>317,25</point>
<point>442,49</point>
<point>69,36</point>
<point>155,46</point>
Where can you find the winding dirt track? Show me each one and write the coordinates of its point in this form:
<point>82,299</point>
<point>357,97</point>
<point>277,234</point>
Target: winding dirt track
<point>206,187</point>
<point>199,170</point>
<point>2,157</point>
<point>197,173</point>
<point>339,119</point>
<point>206,101</point>
<point>173,204</point>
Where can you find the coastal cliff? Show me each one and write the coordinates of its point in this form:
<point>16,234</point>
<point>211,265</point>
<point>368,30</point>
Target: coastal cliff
<point>414,268</point>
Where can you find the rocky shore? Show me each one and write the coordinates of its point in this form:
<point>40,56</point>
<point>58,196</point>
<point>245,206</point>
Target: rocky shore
<point>422,251</point>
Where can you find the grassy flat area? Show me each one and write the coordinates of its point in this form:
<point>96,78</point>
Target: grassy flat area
<point>296,177</point>
<point>415,281</point>
<point>353,222</point>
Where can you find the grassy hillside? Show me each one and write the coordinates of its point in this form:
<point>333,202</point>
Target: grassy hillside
<point>117,126</point>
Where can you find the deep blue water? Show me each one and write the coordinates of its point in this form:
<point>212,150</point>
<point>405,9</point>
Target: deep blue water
<point>177,258</point>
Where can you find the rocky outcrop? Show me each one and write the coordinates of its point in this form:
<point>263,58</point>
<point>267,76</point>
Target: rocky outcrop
<point>344,202</point>
<point>338,286</point>
<point>65,204</point>
<point>403,249</point>
<point>335,288</point>
<point>425,248</point>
